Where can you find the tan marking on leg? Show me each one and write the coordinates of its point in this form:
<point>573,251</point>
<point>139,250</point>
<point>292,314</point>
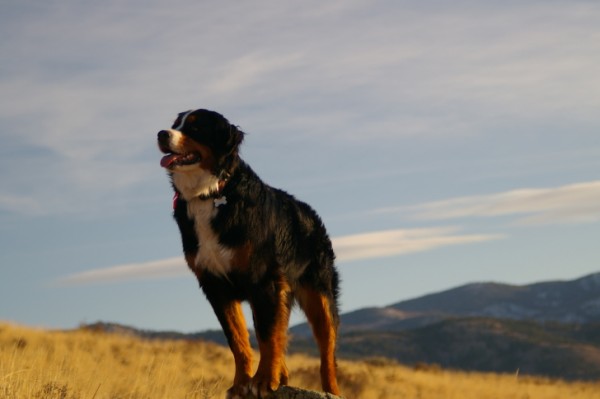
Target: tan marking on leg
<point>240,347</point>
<point>317,309</point>
<point>272,371</point>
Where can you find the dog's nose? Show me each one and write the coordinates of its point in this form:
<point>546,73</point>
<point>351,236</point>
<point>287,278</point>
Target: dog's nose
<point>163,136</point>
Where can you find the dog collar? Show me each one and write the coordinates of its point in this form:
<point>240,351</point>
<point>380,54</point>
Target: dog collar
<point>175,198</point>
<point>218,198</point>
<point>223,179</point>
<point>222,200</point>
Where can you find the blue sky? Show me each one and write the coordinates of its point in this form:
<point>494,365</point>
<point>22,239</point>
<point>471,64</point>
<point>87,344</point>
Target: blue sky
<point>441,142</point>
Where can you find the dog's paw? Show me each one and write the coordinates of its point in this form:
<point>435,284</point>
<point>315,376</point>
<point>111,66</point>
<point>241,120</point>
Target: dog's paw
<point>262,386</point>
<point>238,392</point>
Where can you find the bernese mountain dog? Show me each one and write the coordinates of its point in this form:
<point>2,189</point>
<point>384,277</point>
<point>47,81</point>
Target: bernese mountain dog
<point>247,241</point>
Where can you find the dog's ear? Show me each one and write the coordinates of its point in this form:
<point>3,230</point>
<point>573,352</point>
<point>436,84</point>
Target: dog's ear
<point>229,159</point>
<point>236,136</point>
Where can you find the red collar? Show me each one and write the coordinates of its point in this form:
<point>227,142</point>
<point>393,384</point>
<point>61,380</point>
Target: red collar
<point>175,198</point>
<point>223,179</point>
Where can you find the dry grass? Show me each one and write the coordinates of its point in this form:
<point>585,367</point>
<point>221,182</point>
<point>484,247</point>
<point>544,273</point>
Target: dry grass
<point>93,365</point>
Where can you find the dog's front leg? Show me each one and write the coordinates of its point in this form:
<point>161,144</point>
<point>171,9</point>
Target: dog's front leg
<point>234,326</point>
<point>271,310</point>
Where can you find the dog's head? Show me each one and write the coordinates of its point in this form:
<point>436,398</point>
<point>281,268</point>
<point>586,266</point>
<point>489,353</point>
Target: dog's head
<point>201,151</point>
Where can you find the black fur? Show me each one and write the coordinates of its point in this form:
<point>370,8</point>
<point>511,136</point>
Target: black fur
<point>287,235</point>
<point>285,240</point>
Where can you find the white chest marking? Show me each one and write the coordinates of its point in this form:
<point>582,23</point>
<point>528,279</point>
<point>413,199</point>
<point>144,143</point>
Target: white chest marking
<point>195,183</point>
<point>212,256</point>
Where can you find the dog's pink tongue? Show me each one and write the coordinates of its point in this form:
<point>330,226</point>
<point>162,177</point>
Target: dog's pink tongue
<point>167,160</point>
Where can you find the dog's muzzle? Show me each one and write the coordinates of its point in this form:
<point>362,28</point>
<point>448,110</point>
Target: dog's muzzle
<point>164,139</point>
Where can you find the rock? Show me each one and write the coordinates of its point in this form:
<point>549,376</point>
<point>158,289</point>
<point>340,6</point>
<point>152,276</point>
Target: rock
<point>286,392</point>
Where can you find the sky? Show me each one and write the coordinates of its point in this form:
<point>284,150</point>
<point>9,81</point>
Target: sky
<point>441,142</point>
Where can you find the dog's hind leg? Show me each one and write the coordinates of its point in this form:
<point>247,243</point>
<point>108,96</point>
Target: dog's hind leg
<point>321,312</point>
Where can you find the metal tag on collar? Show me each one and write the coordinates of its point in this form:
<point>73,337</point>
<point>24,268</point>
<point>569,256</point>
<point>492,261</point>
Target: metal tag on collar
<point>220,201</point>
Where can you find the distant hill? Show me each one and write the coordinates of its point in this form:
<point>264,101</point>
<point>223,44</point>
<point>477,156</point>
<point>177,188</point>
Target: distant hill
<point>215,336</point>
<point>549,328</point>
<point>556,350</point>
<point>576,301</point>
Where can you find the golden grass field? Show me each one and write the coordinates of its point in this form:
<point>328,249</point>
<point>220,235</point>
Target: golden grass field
<point>86,364</point>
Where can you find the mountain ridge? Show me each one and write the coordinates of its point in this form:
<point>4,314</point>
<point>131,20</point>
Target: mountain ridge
<point>540,301</point>
<point>548,328</point>
<point>569,301</point>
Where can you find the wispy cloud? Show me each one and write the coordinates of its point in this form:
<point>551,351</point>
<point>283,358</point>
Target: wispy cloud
<point>171,267</point>
<point>18,204</point>
<point>386,243</point>
<point>101,80</point>
<point>573,203</point>
<point>377,244</point>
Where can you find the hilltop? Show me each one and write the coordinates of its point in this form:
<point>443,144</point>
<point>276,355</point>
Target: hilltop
<point>86,364</point>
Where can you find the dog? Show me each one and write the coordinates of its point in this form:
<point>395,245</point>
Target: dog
<point>247,241</point>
